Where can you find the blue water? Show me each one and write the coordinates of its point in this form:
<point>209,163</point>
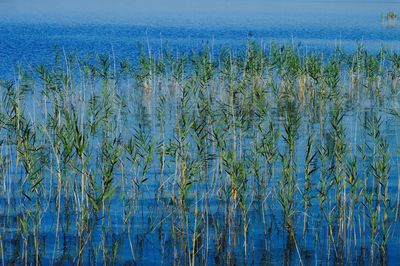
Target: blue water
<point>32,35</point>
<point>30,32</point>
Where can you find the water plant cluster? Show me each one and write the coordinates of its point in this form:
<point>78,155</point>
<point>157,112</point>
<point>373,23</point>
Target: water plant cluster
<point>262,155</point>
<point>390,19</point>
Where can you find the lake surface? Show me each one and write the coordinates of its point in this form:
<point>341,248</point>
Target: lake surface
<point>150,218</point>
<point>30,32</point>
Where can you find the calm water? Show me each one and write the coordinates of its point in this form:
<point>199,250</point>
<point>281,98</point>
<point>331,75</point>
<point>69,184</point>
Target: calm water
<point>32,38</point>
<point>29,32</point>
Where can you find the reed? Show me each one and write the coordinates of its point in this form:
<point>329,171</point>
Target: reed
<point>201,153</point>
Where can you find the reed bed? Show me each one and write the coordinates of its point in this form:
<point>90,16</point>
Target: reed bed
<point>270,154</point>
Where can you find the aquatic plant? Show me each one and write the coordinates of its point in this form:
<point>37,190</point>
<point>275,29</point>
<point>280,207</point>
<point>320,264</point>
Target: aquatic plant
<point>202,157</point>
<point>390,19</point>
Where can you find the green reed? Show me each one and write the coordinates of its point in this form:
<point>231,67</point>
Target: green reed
<point>203,150</point>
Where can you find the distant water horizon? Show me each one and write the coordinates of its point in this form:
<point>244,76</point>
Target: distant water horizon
<point>238,13</point>
<point>31,31</point>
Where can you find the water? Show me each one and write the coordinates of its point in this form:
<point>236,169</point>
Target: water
<point>29,37</point>
<point>161,232</point>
